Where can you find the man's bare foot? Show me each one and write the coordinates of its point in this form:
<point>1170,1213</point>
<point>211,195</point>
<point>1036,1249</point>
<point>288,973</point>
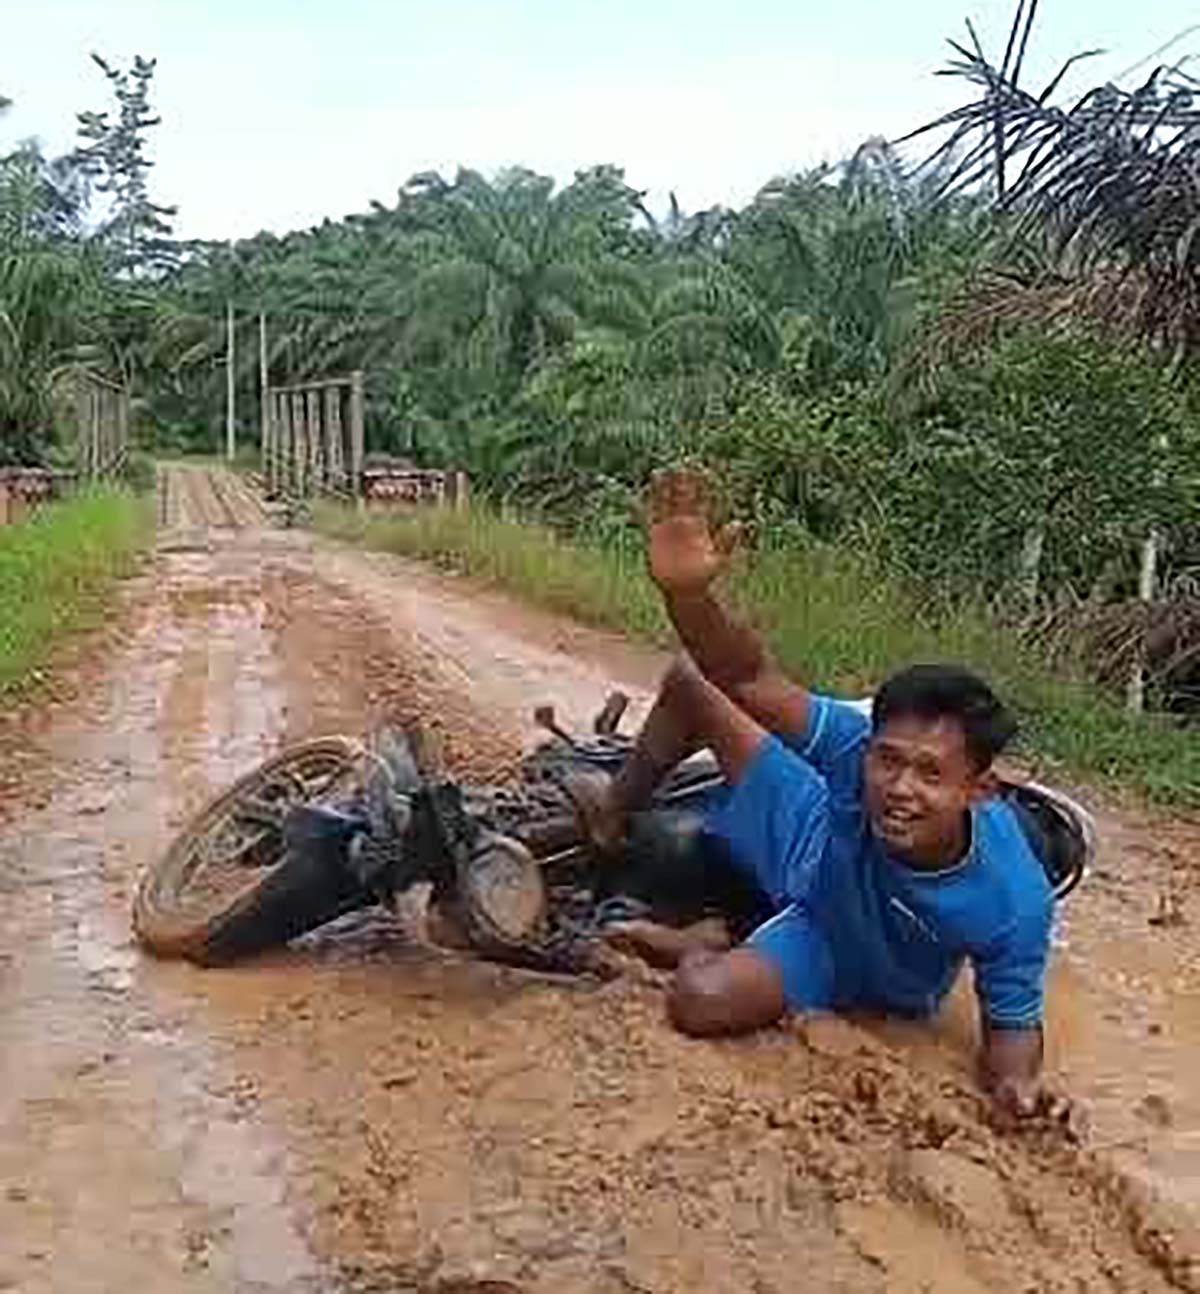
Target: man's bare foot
<point>666,946</point>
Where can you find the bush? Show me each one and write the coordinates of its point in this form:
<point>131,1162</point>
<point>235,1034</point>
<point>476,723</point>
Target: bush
<point>140,473</point>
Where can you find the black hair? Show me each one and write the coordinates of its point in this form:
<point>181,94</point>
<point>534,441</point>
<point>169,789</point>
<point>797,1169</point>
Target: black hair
<point>934,692</point>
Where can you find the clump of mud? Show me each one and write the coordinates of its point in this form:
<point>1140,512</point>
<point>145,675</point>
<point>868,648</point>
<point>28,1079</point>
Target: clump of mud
<point>504,1133</point>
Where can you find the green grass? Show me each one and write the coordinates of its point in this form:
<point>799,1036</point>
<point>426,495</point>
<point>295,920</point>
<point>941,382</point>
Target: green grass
<point>56,574</point>
<point>830,620</point>
<point>596,586</point>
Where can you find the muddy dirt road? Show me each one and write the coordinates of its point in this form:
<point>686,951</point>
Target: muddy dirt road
<point>363,1112</point>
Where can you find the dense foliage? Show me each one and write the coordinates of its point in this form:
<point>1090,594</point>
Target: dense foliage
<point>83,254</point>
<point>912,365</point>
<point>561,344</point>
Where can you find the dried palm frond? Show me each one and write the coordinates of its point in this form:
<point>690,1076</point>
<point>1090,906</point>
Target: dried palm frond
<point>1112,183</point>
<point>1111,638</point>
<point>1109,301</point>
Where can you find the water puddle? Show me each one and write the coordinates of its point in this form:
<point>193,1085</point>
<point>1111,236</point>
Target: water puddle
<point>229,1170</point>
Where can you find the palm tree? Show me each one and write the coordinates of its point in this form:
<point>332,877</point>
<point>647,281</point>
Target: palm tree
<point>1107,185</point>
<point>515,268</point>
<point>48,297</point>
<point>1106,189</point>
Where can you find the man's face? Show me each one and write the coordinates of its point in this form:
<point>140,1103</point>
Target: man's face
<point>920,782</point>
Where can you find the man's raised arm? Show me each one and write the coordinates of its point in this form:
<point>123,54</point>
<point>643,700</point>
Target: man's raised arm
<point>686,555</point>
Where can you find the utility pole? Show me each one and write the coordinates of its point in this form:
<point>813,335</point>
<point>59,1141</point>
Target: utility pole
<point>230,446</point>
<point>264,389</point>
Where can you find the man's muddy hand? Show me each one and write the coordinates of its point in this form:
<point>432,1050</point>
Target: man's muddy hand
<point>1028,1105</point>
<point>686,551</point>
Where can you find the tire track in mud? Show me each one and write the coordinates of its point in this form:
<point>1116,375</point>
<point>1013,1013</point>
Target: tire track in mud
<point>361,1112</point>
<point>124,1157</point>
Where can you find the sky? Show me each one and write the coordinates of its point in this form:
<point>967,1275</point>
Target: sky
<point>279,113</point>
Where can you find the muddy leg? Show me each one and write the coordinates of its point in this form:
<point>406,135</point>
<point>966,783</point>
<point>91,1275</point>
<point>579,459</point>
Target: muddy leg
<point>688,714</point>
<point>666,946</point>
<point>725,993</point>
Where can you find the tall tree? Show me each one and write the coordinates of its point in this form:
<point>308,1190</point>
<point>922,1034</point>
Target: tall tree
<point>114,156</point>
<point>520,265</point>
<point>41,194</point>
<point>49,297</point>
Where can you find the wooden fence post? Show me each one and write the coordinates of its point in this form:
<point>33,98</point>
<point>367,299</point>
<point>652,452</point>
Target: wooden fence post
<point>277,442</point>
<point>357,432</point>
<point>316,474</point>
<point>101,431</point>
<point>230,384</point>
<point>300,444</point>
<point>1135,688</point>
<point>285,443</point>
<point>270,429</point>
<point>94,424</point>
<point>264,390</point>
<point>108,429</point>
<point>81,414</point>
<point>335,469</point>
<point>122,427</point>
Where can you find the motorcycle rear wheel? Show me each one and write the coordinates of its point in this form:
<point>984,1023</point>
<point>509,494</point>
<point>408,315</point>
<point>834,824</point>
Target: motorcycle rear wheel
<point>212,871</point>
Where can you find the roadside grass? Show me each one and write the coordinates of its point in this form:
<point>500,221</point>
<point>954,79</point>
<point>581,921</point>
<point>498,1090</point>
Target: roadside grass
<point>56,574</point>
<point>830,620</point>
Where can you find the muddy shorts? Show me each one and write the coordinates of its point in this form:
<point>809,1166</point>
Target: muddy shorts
<point>800,950</point>
<point>775,823</point>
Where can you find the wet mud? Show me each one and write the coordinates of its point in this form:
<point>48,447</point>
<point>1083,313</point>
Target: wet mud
<point>363,1112</point>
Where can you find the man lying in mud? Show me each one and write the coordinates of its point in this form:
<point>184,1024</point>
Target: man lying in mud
<point>878,842</point>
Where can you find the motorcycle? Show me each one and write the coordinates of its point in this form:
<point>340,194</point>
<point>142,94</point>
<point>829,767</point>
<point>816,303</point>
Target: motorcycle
<point>335,825</point>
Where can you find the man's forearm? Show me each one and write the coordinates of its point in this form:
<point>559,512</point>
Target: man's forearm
<point>727,652</point>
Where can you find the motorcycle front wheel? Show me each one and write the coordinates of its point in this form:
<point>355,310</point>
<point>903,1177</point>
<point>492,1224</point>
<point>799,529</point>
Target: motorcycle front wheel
<point>193,902</point>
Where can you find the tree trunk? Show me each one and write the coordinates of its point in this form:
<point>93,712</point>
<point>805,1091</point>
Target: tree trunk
<point>264,389</point>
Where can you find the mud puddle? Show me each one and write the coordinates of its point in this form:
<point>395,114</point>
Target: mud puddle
<point>361,1113</point>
